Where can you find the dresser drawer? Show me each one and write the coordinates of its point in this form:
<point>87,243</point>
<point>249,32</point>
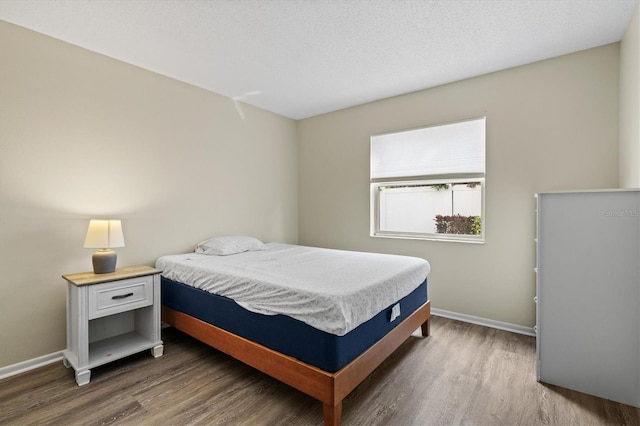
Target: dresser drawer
<point>120,296</point>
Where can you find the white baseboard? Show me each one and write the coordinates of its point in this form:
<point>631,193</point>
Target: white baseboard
<point>529,331</point>
<point>24,366</point>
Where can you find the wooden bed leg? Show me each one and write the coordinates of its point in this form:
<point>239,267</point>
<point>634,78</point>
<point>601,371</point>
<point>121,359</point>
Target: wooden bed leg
<point>426,328</point>
<point>332,414</point>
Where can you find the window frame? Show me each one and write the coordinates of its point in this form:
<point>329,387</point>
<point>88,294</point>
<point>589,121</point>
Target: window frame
<point>375,212</point>
<point>377,183</point>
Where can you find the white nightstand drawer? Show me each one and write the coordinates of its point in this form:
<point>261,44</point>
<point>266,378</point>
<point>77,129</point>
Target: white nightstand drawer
<point>120,296</point>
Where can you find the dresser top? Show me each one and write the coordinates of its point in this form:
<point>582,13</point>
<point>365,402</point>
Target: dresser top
<point>88,278</point>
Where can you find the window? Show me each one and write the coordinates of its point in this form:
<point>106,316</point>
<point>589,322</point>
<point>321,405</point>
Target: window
<point>429,183</point>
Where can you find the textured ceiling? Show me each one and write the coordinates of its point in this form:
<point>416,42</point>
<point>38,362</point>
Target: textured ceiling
<point>307,57</point>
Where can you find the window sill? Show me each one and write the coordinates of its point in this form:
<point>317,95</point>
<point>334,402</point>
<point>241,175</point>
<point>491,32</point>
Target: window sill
<point>448,239</point>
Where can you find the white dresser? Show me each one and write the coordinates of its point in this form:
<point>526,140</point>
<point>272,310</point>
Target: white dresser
<point>588,292</point>
<point>111,316</point>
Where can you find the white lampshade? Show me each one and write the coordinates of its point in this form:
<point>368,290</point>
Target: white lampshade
<point>104,234</point>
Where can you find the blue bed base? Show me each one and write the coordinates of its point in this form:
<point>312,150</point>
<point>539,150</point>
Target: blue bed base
<point>285,334</point>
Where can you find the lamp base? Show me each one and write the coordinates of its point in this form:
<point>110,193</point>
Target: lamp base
<point>104,261</point>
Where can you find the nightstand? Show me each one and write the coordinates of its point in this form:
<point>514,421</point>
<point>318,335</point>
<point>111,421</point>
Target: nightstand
<point>111,316</point>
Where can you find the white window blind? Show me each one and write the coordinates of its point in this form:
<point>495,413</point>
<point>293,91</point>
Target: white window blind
<point>440,150</point>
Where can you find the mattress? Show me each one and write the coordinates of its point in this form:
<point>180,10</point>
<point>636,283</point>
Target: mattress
<point>287,335</point>
<point>333,291</point>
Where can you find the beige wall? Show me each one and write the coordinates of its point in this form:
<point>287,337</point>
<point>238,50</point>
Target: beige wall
<point>630,104</point>
<point>551,125</point>
<point>84,136</point>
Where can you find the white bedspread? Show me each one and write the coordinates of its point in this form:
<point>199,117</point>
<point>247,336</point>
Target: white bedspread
<point>331,290</point>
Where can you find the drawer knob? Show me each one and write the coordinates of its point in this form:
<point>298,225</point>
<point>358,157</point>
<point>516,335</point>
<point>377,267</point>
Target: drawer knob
<point>122,296</point>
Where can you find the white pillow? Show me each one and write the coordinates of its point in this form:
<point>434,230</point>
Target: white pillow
<point>223,246</point>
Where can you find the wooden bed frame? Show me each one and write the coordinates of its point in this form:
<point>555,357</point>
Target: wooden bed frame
<point>329,388</point>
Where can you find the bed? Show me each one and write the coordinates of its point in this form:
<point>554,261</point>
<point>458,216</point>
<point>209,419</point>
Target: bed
<point>317,319</point>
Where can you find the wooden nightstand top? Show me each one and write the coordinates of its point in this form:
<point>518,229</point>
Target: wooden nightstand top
<point>88,278</point>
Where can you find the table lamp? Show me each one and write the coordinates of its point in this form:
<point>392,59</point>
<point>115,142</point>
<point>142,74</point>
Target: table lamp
<point>104,235</point>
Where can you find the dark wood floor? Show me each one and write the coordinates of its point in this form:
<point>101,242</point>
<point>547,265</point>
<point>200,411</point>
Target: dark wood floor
<point>462,374</point>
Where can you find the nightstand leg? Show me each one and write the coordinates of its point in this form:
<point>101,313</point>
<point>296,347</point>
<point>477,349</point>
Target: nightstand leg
<point>157,351</point>
<point>83,377</point>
